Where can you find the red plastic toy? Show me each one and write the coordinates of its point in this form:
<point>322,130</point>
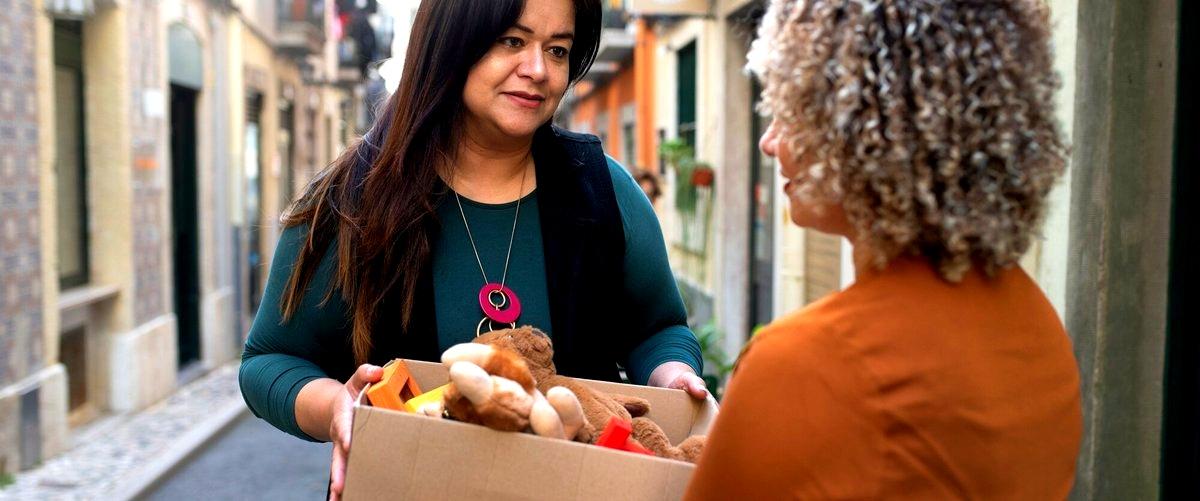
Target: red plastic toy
<point>616,436</point>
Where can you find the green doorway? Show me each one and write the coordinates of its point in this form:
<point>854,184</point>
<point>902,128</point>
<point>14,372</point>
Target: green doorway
<point>185,234</point>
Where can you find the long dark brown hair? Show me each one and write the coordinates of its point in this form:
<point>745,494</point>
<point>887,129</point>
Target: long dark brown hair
<point>378,199</point>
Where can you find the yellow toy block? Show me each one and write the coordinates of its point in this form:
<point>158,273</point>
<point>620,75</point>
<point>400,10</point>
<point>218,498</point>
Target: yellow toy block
<point>435,395</point>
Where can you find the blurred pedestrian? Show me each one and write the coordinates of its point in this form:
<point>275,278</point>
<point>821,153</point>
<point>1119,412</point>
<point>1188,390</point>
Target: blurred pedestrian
<point>924,132</point>
<point>463,182</point>
<point>649,183</point>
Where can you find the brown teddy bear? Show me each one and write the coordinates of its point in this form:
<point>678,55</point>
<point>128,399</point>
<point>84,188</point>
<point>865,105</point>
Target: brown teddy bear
<point>532,369</point>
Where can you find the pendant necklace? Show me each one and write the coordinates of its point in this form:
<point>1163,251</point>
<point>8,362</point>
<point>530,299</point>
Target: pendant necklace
<point>499,303</point>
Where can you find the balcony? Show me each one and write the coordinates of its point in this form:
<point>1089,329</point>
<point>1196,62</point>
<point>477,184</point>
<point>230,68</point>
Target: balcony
<point>301,27</point>
<point>670,8</point>
<point>616,39</point>
<point>362,43</point>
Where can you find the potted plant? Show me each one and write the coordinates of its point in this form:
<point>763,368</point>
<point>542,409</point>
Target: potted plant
<point>717,364</point>
<point>703,175</point>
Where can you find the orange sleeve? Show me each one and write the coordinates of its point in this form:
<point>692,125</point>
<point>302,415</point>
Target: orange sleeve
<point>793,423</point>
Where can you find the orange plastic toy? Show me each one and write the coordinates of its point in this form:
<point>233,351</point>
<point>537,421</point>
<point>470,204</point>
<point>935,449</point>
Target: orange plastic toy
<point>396,387</point>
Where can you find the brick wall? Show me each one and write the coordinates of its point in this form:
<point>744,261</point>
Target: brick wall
<point>20,256</point>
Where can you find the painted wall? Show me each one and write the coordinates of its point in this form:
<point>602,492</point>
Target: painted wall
<point>1048,260</point>
<point>606,103</point>
<point>21,255</point>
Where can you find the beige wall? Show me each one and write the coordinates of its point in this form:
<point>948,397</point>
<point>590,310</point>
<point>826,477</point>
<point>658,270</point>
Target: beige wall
<point>1049,261</point>
<point>109,156</point>
<point>47,179</point>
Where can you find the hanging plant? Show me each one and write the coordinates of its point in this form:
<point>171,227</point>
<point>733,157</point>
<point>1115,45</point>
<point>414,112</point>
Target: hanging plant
<point>675,150</point>
<point>685,191</point>
<point>680,157</point>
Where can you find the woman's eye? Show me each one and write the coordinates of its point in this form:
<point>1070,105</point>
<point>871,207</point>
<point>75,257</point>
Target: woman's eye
<point>513,42</point>
<point>559,52</point>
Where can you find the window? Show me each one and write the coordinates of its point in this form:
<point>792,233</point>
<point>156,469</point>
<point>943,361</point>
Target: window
<point>686,94</point>
<point>629,145</point>
<point>70,165</point>
<point>284,140</point>
<point>629,136</point>
<point>696,213</point>
<point>602,129</point>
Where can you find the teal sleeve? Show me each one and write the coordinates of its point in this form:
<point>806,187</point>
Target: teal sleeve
<point>658,313</point>
<point>281,357</point>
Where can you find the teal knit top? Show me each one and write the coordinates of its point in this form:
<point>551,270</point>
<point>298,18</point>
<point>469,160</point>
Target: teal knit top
<point>280,358</point>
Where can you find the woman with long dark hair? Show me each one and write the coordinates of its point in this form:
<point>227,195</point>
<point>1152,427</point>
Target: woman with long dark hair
<point>464,210</point>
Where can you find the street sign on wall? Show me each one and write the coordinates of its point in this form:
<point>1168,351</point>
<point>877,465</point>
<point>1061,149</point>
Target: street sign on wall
<point>668,7</point>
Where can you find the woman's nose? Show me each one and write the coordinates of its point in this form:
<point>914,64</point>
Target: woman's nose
<point>533,64</point>
<point>769,142</point>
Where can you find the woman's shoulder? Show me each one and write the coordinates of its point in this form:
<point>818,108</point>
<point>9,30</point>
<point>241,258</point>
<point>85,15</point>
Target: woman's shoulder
<point>629,194</point>
<point>291,240</point>
<point>819,316</point>
<point>821,334</point>
<point>800,334</point>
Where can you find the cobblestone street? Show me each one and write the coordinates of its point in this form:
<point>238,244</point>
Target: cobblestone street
<point>110,458</point>
<point>254,461</point>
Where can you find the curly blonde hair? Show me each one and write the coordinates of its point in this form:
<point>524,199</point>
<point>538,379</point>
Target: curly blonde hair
<point>932,122</point>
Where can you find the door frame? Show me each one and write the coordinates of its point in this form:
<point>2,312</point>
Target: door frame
<point>1181,392</point>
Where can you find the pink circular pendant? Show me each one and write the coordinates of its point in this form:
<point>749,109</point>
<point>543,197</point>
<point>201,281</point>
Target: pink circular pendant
<point>499,303</point>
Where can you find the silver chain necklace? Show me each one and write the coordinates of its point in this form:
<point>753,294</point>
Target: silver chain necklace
<point>507,297</point>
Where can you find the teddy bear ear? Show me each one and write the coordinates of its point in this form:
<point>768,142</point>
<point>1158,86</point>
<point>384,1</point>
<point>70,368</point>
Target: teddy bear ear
<point>477,354</point>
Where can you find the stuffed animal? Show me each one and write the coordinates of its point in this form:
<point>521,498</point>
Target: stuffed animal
<point>533,363</point>
<point>497,391</point>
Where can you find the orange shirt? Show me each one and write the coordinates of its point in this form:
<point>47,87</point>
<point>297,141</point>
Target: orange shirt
<point>902,386</point>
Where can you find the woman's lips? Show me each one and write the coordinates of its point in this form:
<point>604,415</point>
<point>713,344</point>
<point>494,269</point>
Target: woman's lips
<point>524,100</point>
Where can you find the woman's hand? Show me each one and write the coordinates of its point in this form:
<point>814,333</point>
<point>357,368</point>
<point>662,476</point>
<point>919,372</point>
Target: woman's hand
<point>341,419</point>
<point>679,376</point>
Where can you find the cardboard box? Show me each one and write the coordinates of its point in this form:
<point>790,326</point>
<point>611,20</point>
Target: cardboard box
<point>397,455</point>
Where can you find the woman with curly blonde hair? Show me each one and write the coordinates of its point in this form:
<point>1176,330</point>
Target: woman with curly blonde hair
<point>924,132</point>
